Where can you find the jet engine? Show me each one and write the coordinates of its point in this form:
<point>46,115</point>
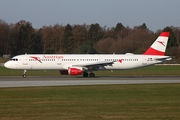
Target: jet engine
<point>75,70</point>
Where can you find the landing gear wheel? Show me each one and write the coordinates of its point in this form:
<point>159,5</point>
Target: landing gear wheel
<point>91,75</point>
<point>24,75</point>
<point>85,74</point>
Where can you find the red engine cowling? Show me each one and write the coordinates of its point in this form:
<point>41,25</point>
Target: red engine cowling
<point>63,72</point>
<point>75,70</point>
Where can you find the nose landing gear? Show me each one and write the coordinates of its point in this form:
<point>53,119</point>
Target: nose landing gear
<point>24,74</point>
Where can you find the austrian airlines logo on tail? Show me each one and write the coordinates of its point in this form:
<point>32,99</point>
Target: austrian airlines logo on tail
<point>36,58</point>
<point>161,42</point>
<point>159,46</point>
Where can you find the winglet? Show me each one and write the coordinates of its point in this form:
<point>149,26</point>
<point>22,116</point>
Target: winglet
<point>159,46</point>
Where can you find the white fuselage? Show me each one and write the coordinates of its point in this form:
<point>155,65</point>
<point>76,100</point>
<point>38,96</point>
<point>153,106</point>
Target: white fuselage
<point>64,61</point>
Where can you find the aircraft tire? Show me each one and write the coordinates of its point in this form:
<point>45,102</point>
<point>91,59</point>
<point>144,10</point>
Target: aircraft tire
<point>24,75</point>
<point>85,74</point>
<point>91,75</point>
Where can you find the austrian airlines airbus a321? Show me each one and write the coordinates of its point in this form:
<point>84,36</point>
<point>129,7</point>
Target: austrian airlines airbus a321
<point>76,64</point>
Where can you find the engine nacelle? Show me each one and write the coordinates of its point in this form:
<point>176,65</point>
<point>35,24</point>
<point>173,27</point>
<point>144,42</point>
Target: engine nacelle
<point>63,72</point>
<point>75,70</point>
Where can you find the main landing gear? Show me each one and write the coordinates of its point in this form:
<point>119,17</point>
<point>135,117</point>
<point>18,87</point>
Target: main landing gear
<point>85,74</point>
<point>24,74</point>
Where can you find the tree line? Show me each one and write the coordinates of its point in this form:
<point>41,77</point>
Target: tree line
<point>21,38</point>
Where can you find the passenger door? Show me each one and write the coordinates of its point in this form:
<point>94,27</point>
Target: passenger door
<point>25,60</point>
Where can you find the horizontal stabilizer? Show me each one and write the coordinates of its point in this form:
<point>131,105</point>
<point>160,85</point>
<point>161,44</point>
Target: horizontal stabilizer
<point>164,59</point>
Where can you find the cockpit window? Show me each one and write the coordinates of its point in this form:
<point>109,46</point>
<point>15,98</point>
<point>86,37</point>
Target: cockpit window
<point>14,59</point>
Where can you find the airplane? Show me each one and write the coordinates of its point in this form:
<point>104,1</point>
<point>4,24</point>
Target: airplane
<point>77,64</point>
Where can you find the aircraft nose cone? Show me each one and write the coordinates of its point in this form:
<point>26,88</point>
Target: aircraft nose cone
<point>7,65</point>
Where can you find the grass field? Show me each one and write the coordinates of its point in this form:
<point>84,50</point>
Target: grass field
<point>99,102</point>
<point>105,102</point>
<point>164,70</point>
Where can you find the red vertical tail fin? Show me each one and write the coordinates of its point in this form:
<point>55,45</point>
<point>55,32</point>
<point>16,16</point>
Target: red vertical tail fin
<point>159,46</point>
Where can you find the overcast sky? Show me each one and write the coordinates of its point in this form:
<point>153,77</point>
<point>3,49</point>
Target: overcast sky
<point>157,14</point>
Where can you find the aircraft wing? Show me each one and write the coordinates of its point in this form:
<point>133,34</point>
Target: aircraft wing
<point>102,63</point>
<point>95,65</point>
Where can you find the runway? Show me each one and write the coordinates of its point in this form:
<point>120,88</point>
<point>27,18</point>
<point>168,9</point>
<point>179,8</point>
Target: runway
<point>72,80</point>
